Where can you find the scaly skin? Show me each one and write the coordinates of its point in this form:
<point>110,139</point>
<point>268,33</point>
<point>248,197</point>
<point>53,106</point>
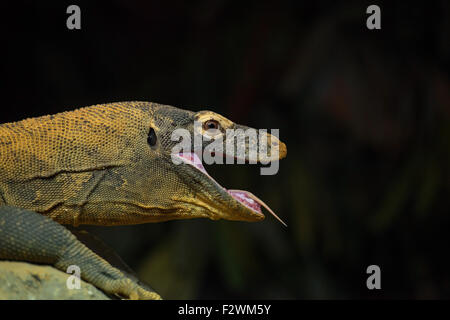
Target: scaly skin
<point>95,166</point>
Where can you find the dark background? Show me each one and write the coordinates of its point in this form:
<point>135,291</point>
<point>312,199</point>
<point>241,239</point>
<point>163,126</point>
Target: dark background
<point>364,113</point>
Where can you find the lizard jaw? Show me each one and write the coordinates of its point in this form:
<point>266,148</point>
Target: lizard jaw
<point>245,198</point>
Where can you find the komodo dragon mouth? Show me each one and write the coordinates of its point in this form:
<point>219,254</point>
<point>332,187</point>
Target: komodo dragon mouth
<point>245,198</point>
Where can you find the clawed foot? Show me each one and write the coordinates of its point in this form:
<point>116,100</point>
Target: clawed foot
<point>128,289</point>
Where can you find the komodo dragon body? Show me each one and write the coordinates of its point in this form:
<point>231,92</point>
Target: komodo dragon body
<point>108,164</point>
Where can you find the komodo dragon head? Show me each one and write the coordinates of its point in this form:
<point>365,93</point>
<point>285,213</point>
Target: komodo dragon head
<point>187,185</point>
<point>118,164</point>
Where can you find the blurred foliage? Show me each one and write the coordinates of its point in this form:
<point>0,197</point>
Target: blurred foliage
<point>365,115</point>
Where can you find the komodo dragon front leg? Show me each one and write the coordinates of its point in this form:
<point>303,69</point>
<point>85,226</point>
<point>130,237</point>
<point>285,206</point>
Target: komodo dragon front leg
<point>109,164</point>
<point>29,236</point>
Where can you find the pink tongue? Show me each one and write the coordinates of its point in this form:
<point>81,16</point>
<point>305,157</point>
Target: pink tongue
<point>243,198</point>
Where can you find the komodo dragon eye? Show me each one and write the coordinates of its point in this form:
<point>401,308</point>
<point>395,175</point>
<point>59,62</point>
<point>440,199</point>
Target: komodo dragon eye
<point>151,139</point>
<point>211,124</point>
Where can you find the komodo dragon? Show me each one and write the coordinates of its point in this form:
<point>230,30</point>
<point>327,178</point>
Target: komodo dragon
<point>107,164</point>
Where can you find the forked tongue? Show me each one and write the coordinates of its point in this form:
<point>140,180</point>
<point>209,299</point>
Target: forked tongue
<point>246,198</point>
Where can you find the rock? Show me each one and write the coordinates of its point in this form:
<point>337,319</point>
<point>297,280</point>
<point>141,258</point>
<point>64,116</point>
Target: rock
<point>25,281</point>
